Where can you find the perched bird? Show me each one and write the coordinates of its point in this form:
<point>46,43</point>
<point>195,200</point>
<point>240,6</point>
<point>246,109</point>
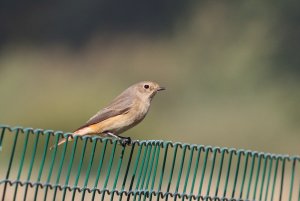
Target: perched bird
<point>125,111</point>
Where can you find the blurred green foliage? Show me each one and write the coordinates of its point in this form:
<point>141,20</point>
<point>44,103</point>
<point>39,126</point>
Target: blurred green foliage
<point>231,77</point>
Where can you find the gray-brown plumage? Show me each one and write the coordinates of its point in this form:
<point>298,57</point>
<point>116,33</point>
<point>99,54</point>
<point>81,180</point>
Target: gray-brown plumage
<point>125,111</point>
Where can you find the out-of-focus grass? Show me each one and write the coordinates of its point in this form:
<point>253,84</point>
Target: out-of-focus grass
<point>215,66</point>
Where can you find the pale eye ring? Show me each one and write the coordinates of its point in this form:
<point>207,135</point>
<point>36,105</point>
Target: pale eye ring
<point>146,86</point>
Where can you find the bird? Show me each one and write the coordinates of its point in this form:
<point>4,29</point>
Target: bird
<point>124,112</point>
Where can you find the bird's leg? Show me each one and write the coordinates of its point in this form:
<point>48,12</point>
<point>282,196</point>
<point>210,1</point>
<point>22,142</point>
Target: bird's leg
<point>112,135</point>
<point>125,140</point>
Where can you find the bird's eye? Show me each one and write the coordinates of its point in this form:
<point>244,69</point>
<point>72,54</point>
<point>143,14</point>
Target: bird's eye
<point>146,86</point>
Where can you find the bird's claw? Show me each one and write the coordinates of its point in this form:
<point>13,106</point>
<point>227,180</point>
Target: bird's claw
<point>125,141</point>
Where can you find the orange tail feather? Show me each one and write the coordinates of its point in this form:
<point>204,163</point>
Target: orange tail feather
<point>62,141</point>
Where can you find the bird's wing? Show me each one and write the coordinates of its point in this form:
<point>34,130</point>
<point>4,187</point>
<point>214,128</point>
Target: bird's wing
<point>120,105</point>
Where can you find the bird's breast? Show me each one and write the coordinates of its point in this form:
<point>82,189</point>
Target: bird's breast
<point>134,116</point>
<point>141,109</point>
<point>123,122</point>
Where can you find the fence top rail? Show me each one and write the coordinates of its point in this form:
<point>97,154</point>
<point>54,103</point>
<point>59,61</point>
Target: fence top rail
<point>161,143</point>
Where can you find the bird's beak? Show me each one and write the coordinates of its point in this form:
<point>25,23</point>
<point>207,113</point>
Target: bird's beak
<point>161,88</point>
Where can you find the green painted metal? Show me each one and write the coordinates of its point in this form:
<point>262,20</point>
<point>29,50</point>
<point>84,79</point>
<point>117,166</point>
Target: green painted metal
<point>274,180</point>
<point>244,175</point>
<point>228,173</point>
<point>95,168</point>
<point>219,173</point>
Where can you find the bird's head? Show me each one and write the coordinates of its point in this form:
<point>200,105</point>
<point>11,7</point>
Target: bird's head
<point>146,90</point>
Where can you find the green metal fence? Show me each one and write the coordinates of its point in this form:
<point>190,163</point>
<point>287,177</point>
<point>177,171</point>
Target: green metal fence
<point>94,168</point>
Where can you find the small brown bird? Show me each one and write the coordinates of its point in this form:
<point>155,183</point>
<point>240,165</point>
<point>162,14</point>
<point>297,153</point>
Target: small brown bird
<point>125,111</point>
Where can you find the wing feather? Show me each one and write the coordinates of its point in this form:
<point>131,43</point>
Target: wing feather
<point>120,105</point>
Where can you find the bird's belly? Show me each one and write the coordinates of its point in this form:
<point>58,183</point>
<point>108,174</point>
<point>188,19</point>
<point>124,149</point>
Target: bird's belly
<point>123,122</point>
<point>128,124</point>
<point>117,124</point>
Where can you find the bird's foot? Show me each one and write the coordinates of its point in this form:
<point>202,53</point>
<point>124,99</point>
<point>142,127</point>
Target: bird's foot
<point>125,140</point>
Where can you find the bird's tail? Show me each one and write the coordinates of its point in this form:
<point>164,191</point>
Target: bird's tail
<point>62,141</point>
<point>80,132</point>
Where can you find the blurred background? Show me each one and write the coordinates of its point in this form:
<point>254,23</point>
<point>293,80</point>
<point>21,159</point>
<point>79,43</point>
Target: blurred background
<point>231,69</point>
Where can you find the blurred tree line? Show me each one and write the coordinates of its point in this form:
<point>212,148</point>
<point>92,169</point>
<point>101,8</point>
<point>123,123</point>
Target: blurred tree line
<point>42,22</point>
